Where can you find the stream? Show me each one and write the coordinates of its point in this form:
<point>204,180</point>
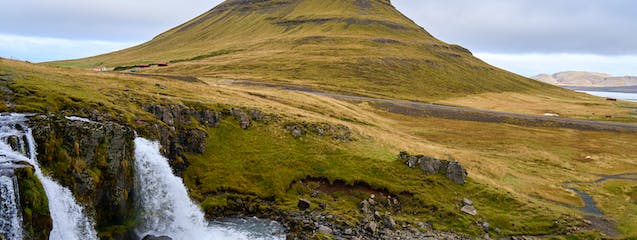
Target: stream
<point>589,204</point>
<point>166,207</point>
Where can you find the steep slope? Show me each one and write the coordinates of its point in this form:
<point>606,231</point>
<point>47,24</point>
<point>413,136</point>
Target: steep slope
<point>362,46</point>
<point>586,79</point>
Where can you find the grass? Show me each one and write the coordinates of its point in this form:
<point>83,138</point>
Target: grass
<point>266,162</point>
<point>334,45</point>
<point>515,173</point>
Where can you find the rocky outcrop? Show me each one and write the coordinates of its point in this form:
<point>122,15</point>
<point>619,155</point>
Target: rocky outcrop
<point>95,161</point>
<point>337,132</point>
<point>452,169</point>
<point>182,129</point>
<point>376,222</point>
<point>36,218</point>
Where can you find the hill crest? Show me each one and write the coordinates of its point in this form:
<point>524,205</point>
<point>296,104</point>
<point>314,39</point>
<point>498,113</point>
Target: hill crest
<point>366,47</point>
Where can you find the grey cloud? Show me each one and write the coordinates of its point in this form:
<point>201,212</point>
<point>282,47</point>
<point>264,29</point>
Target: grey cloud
<point>500,26</point>
<point>115,20</point>
<point>523,26</point>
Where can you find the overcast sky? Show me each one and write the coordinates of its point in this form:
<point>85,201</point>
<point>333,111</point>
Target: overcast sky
<point>524,36</point>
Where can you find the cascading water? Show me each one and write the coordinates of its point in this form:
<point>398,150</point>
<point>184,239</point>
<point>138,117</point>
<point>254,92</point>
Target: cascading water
<point>17,145</point>
<point>10,218</point>
<point>166,208</point>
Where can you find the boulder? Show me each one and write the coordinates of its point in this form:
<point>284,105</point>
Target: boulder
<point>371,227</point>
<point>430,165</point>
<point>468,209</point>
<point>242,117</point>
<point>466,202</point>
<point>325,230</point>
<point>456,173</point>
<point>304,204</point>
<point>389,222</point>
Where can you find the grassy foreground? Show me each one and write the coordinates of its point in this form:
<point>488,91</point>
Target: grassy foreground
<point>515,173</point>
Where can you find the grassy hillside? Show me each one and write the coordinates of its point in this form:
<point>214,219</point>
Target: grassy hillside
<point>515,172</point>
<point>365,47</point>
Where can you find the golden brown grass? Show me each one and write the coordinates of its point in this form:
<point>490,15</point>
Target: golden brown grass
<point>531,163</point>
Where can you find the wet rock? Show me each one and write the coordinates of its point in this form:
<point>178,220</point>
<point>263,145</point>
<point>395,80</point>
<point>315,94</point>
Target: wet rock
<point>152,237</point>
<point>99,160</point>
<point>303,204</point>
<point>468,209</point>
<point>37,221</point>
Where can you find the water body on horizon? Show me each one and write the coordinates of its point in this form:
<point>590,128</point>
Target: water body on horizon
<point>616,95</point>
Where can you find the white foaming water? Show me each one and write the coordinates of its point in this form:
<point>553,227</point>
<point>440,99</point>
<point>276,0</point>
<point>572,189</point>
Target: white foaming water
<point>10,218</point>
<point>69,221</point>
<point>167,208</point>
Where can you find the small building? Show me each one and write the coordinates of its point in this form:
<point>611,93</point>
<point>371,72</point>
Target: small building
<point>611,99</point>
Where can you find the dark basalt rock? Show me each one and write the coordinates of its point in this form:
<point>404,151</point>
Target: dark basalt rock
<point>36,217</point>
<point>153,237</point>
<point>304,204</point>
<point>453,170</point>
<point>96,162</point>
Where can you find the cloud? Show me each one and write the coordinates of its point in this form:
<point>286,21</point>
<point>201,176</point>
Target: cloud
<point>524,36</point>
<point>40,49</point>
<point>533,64</point>
<point>114,20</point>
<point>606,27</point>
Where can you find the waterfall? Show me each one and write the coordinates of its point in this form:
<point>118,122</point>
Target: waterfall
<point>166,207</point>
<point>16,145</point>
<point>10,218</point>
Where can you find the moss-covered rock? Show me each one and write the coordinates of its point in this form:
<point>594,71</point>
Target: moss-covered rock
<point>95,161</point>
<point>36,217</point>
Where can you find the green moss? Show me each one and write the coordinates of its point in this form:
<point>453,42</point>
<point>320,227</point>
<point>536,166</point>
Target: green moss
<point>37,222</point>
<point>267,162</point>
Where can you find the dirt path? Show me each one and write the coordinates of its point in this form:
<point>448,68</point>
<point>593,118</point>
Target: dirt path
<point>418,109</point>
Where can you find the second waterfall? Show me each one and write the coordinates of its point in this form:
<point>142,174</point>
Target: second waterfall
<point>165,205</point>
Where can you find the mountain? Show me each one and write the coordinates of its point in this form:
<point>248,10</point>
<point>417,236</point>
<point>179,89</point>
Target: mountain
<point>362,46</point>
<point>260,112</point>
<point>586,79</point>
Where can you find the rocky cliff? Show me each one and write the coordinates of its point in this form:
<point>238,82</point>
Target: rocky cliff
<point>95,161</point>
<point>36,219</point>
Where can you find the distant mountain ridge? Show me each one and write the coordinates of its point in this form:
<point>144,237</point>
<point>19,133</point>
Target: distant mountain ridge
<point>586,79</point>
